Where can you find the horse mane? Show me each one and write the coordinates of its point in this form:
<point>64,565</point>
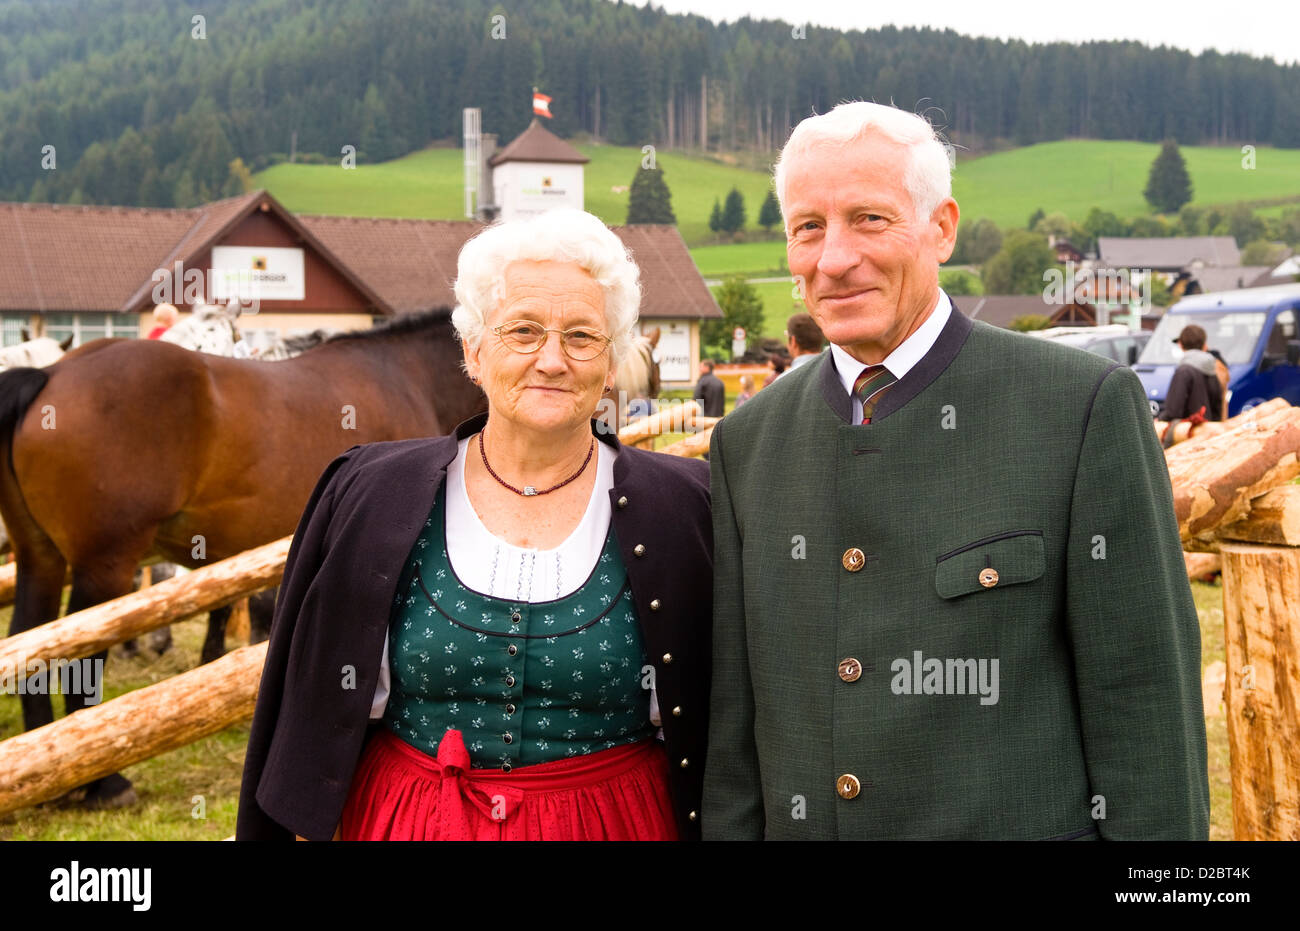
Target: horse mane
<point>398,326</point>
<point>632,377</point>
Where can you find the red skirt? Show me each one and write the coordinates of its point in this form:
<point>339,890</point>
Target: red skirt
<point>399,793</point>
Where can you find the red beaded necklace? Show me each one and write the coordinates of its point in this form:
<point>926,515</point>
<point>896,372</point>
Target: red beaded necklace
<point>528,490</point>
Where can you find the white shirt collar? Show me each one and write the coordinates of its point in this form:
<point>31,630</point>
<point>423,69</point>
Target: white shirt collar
<point>904,357</point>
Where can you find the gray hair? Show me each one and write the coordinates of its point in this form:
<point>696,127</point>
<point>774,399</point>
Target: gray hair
<point>927,174</point>
<point>564,234</point>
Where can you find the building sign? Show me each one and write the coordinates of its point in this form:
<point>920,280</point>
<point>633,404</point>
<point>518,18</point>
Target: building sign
<point>674,351</point>
<point>542,189</point>
<point>262,272</point>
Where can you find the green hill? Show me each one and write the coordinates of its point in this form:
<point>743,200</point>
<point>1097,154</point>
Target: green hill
<point>429,184</point>
<point>1069,177</point>
<point>1072,177</point>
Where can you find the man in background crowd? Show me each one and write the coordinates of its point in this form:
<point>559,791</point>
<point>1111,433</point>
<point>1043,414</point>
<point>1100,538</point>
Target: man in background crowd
<point>710,391</point>
<point>804,340</point>
<point>1195,390</point>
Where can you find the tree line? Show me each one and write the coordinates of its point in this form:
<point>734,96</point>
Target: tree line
<point>148,102</point>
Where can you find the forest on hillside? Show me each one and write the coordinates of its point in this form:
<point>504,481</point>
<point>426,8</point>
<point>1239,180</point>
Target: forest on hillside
<point>138,102</point>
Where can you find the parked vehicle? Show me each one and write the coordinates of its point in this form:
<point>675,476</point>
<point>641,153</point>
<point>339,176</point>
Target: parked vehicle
<point>1116,342</point>
<point>1253,329</point>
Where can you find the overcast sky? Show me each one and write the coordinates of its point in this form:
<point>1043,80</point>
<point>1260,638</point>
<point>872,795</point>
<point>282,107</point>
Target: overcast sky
<point>1268,28</point>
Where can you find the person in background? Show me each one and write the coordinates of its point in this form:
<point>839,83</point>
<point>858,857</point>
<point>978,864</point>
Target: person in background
<point>804,340</point>
<point>1195,392</point>
<point>746,390</point>
<point>1223,374</point>
<point>164,318</point>
<point>778,363</point>
<point>710,391</point>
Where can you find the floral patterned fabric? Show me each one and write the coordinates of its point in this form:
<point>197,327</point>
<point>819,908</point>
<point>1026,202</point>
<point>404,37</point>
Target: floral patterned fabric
<point>524,683</point>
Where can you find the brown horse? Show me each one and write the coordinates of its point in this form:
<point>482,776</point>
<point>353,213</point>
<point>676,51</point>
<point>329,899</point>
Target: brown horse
<point>130,449</point>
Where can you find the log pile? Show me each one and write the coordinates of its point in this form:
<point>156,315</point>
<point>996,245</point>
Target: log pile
<point>1234,497</point>
<point>684,418</point>
<point>51,760</point>
<point>1215,479</point>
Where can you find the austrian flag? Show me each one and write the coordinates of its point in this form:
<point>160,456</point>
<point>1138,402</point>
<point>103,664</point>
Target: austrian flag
<point>541,105</point>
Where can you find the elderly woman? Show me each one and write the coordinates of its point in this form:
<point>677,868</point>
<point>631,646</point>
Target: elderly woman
<point>503,633</point>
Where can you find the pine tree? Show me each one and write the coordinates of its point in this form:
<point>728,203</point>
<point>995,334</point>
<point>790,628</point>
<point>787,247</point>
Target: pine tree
<point>715,218</point>
<point>770,213</point>
<point>1168,186</point>
<point>649,200</point>
<point>733,214</point>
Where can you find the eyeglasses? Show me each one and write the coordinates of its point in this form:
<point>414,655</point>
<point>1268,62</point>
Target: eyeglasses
<point>526,337</point>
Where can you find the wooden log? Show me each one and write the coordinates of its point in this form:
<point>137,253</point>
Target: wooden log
<point>1185,431</point>
<point>1261,587</point>
<point>51,760</point>
<point>87,632</point>
<point>697,444</point>
<point>1274,517</point>
<point>1243,420</point>
<point>673,420</point>
<point>1215,480</point>
<point>1200,565</point>
<point>237,626</point>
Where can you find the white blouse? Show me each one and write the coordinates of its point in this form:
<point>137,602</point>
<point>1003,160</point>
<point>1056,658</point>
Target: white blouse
<point>491,566</point>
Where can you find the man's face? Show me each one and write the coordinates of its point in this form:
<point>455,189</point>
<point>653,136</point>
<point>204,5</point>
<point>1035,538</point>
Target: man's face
<point>870,267</point>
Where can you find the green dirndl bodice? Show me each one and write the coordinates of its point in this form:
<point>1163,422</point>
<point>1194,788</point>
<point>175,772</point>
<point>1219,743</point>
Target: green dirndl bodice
<point>523,682</point>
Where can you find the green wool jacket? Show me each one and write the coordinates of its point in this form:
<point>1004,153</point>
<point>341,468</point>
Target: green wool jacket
<point>924,696</point>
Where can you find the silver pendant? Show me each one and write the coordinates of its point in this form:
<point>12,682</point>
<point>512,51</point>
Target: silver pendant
<point>529,490</point>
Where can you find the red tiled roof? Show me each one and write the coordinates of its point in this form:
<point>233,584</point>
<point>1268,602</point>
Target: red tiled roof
<point>671,285</point>
<point>67,258</point>
<point>56,257</point>
<point>411,264</point>
<point>537,144</point>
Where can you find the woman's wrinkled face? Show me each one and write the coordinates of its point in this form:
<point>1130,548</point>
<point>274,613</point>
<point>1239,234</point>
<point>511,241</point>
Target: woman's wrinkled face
<point>543,390</point>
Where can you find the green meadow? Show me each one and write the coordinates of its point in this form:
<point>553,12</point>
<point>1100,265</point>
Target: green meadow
<point>1069,177</point>
<point>429,183</point>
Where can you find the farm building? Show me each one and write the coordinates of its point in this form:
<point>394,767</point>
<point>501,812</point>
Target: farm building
<point>90,272</point>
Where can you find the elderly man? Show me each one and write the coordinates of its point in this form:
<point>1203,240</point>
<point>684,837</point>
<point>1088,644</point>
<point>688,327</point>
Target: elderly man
<point>950,599</point>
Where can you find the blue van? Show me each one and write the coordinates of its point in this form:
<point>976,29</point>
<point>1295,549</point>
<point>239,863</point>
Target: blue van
<point>1253,329</point>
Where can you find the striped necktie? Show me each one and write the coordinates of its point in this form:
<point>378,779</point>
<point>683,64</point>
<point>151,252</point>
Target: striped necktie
<point>870,387</point>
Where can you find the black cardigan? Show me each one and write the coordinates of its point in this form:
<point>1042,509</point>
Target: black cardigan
<point>342,575</point>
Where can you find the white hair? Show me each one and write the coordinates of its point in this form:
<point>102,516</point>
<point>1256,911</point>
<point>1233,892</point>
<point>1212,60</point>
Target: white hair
<point>927,174</point>
<point>564,234</point>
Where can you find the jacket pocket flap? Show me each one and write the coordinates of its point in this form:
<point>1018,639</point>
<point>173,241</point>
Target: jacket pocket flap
<point>990,563</point>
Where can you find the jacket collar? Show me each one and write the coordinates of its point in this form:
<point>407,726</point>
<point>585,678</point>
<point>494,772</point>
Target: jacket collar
<point>951,338</point>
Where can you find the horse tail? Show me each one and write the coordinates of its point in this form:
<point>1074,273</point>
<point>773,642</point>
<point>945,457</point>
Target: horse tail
<point>18,389</point>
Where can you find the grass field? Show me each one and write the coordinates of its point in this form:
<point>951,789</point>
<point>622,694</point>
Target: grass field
<point>1069,177</point>
<point>429,184</point>
<point>189,794</point>
<point>751,259</point>
<point>170,785</point>
<point>778,304</point>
